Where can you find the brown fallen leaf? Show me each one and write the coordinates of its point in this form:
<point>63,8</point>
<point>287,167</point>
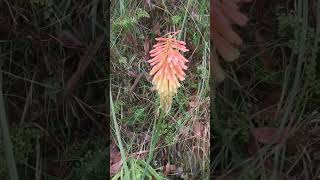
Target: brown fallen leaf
<point>169,169</point>
<point>198,128</point>
<point>193,102</point>
<point>115,168</point>
<point>115,155</point>
<point>115,160</point>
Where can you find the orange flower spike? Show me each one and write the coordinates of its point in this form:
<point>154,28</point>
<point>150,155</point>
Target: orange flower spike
<point>168,67</point>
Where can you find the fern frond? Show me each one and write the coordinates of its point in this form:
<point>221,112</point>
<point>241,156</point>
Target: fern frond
<point>168,67</point>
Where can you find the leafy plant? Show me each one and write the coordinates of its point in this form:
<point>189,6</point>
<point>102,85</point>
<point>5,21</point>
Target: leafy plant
<point>128,21</point>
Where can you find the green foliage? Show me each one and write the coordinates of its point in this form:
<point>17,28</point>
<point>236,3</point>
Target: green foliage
<point>139,114</point>
<point>176,19</point>
<point>136,171</point>
<point>24,141</point>
<point>290,27</point>
<point>168,131</point>
<point>92,165</point>
<point>287,24</point>
<point>140,13</point>
<point>117,107</point>
<point>128,21</point>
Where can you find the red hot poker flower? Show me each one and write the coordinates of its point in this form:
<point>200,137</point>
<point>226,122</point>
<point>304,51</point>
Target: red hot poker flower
<point>168,67</point>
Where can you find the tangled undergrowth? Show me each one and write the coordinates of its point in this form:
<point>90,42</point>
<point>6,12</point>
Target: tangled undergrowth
<point>51,60</point>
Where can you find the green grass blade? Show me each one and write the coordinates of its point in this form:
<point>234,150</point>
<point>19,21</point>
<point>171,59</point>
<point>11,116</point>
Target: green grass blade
<point>123,155</point>
<point>6,138</point>
<point>155,137</point>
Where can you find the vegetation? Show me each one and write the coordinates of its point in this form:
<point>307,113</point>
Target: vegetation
<point>266,111</point>
<point>176,144</point>
<point>263,92</point>
<point>51,64</point>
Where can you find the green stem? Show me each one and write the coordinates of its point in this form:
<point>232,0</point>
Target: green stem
<point>156,132</point>
<point>184,18</point>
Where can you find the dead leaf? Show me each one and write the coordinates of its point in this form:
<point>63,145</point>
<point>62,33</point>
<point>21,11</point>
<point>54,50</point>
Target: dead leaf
<point>115,155</point>
<point>198,128</point>
<point>193,102</point>
<point>115,168</point>
<point>169,169</point>
<point>115,159</point>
